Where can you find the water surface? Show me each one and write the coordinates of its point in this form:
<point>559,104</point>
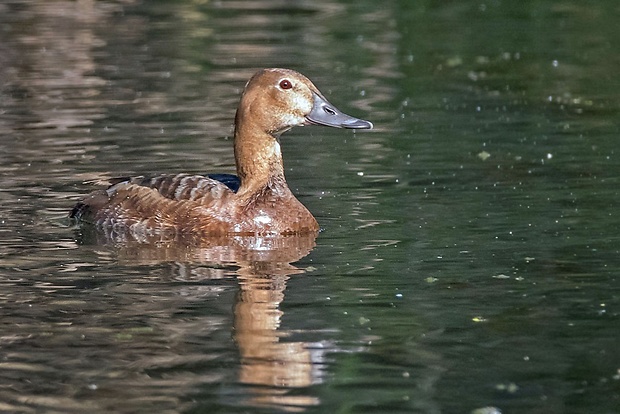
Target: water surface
<point>470,254</point>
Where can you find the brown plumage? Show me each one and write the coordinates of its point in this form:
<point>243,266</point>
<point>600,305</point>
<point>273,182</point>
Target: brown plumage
<point>257,202</point>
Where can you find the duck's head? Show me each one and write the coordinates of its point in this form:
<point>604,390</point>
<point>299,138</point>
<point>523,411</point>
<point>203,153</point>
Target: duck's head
<point>276,100</point>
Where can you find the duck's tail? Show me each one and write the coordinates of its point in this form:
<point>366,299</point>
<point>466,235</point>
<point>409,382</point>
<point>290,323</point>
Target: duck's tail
<point>79,210</point>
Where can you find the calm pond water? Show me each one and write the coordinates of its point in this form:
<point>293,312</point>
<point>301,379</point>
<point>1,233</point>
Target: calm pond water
<point>469,261</point>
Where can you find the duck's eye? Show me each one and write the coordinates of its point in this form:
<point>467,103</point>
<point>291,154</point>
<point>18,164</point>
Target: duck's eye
<point>286,84</point>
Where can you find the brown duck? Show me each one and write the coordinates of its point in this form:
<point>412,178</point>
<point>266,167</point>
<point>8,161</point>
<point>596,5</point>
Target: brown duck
<point>257,201</point>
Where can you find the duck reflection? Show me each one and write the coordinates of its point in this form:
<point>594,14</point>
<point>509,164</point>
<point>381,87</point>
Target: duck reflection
<point>266,361</point>
<point>269,365</point>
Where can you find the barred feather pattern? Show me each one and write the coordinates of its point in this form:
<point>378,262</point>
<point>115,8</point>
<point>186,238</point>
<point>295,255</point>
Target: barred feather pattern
<point>184,187</point>
<point>183,204</point>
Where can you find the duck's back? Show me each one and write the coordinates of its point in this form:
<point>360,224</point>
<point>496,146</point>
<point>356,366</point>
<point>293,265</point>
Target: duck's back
<point>193,204</point>
<point>159,203</point>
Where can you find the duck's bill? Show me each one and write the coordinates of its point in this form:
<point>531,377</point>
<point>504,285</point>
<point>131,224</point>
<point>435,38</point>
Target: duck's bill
<point>324,113</point>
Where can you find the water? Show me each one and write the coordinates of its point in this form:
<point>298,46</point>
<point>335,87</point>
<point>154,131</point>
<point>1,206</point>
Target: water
<point>469,261</point>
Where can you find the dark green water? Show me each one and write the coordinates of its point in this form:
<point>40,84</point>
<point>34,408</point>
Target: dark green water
<point>470,256</point>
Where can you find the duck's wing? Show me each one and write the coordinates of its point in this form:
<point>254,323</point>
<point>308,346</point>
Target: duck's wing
<point>133,198</point>
<point>188,187</point>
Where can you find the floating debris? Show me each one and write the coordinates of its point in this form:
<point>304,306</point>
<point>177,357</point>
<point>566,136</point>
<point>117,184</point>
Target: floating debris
<point>511,387</point>
<point>484,155</point>
<point>487,410</point>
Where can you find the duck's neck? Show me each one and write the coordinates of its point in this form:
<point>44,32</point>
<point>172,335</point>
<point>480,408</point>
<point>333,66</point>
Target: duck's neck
<point>259,160</point>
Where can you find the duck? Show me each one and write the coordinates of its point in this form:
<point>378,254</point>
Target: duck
<point>256,201</point>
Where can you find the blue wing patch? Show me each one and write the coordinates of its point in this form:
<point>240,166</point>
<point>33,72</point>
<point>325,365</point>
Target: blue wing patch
<point>229,180</point>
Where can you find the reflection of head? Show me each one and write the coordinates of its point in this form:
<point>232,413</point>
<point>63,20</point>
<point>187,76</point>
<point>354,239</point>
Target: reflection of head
<point>266,360</point>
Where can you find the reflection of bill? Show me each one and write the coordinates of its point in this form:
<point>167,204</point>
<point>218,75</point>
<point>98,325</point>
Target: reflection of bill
<point>270,366</point>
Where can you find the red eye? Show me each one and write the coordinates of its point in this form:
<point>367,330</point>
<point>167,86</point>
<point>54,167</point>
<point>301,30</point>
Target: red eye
<point>286,84</point>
